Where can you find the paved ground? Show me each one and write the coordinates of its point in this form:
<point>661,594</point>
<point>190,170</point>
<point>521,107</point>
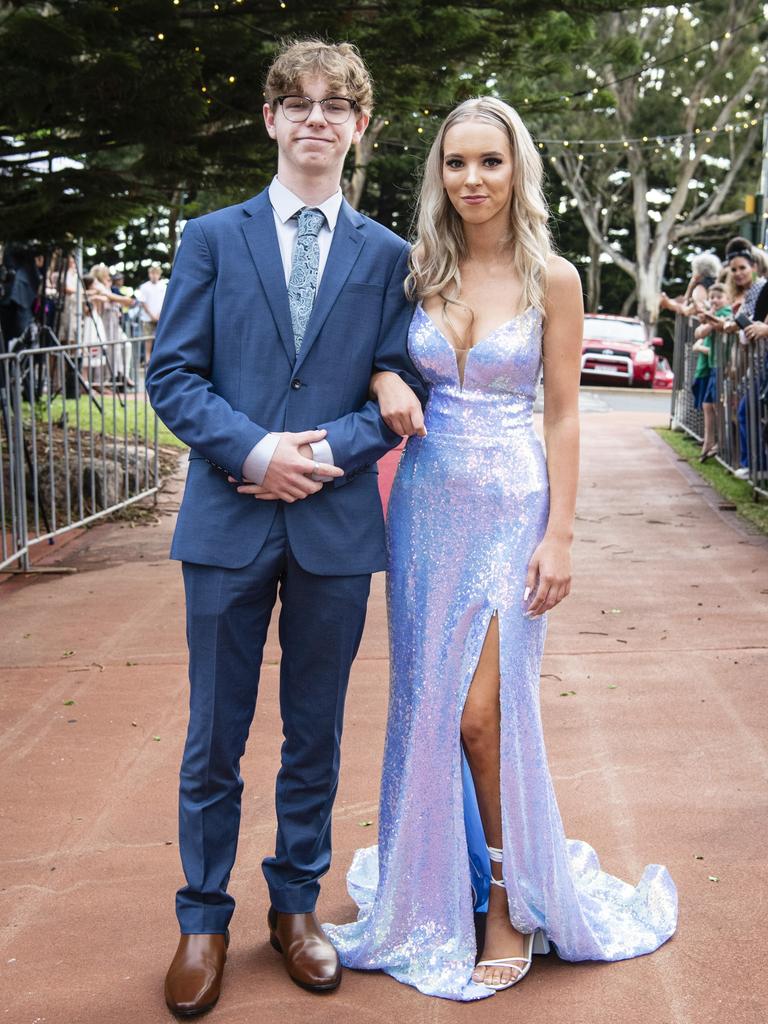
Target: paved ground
<point>658,756</point>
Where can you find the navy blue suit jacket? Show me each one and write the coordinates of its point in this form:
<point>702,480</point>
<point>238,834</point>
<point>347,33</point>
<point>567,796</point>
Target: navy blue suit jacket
<point>224,373</point>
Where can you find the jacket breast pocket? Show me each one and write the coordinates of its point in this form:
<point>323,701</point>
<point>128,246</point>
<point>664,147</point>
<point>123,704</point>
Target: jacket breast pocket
<point>361,288</point>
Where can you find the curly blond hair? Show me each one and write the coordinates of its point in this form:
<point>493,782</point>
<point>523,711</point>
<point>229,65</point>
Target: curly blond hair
<point>340,63</point>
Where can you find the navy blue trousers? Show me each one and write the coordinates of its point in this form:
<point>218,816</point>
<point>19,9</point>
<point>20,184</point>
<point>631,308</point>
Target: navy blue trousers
<point>228,613</point>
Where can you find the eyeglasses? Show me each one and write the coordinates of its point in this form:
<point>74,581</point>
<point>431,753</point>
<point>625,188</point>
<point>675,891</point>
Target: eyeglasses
<point>336,109</point>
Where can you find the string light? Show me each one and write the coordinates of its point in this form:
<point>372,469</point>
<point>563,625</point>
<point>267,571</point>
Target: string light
<point>678,56</point>
<point>657,141</point>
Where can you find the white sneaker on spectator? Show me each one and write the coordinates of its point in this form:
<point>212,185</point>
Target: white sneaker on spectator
<point>742,473</point>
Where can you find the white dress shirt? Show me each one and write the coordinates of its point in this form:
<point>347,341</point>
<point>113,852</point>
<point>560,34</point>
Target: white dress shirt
<point>285,206</point>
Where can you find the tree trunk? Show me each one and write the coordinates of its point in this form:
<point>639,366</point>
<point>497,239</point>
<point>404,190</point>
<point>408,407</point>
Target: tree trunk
<point>628,303</point>
<point>648,296</point>
<point>594,269</point>
<point>364,150</point>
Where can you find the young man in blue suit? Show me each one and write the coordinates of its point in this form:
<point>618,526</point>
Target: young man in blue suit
<point>278,312</point>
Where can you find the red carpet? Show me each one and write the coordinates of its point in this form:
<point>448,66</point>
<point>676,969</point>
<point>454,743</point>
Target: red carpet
<point>387,467</point>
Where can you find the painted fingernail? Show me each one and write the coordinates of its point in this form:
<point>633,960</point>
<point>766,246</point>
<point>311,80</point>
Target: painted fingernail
<point>526,593</point>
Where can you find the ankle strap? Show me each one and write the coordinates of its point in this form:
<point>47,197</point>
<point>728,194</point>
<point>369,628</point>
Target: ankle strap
<point>495,854</point>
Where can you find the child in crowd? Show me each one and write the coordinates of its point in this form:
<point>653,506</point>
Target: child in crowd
<point>705,378</point>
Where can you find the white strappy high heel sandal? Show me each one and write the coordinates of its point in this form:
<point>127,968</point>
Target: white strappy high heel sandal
<point>536,942</point>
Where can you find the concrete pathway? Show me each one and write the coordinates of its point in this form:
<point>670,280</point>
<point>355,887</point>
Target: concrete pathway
<point>658,755</point>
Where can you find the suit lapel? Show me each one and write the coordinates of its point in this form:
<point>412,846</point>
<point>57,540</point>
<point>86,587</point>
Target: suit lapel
<point>347,244</point>
<point>261,236</point>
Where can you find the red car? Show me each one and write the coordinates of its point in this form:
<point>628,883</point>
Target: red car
<point>616,350</point>
<point>664,379</point>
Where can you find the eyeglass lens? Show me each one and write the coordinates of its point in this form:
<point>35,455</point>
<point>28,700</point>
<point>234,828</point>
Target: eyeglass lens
<point>335,109</point>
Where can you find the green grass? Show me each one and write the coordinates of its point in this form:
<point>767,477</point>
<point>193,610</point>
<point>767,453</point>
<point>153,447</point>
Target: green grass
<point>736,492</point>
<point>140,418</point>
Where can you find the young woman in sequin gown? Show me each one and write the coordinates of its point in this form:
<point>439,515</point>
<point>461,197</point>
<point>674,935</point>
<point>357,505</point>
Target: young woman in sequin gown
<point>479,529</point>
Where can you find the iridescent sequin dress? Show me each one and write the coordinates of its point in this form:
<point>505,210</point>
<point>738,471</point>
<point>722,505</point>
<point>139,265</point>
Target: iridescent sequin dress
<point>468,507</point>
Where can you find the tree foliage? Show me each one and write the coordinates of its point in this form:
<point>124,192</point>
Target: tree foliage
<point>678,93</point>
<point>115,110</point>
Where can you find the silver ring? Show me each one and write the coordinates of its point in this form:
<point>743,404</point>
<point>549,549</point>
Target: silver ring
<point>315,467</point>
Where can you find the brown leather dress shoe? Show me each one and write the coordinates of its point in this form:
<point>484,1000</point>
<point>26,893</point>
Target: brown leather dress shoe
<point>311,960</point>
<point>193,981</point>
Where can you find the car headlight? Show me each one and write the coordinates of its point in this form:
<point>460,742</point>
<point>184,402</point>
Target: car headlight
<point>645,355</point>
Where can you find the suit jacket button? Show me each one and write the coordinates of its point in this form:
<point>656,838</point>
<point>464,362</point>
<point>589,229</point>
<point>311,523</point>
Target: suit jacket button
<point>296,384</point>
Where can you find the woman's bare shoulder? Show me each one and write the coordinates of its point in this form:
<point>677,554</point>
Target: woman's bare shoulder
<point>561,273</point>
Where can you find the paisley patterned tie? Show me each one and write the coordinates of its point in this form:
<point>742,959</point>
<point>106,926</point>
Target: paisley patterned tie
<point>303,280</point>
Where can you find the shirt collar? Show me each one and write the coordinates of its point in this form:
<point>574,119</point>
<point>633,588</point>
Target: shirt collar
<point>287,205</point>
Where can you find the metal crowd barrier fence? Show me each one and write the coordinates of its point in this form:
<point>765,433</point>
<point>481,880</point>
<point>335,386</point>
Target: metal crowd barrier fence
<point>741,408</point>
<point>78,440</point>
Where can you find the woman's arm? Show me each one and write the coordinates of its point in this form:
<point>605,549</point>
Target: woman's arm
<point>758,329</point>
<point>549,570</point>
<point>121,300</point>
<point>399,407</point>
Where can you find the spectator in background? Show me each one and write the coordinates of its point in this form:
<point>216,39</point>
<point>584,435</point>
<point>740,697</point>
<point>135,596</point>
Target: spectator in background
<point>93,334</point>
<point>746,287</point>
<point>117,354</point>
<point>69,311</point>
<point>704,270</point>
<point>706,384</point>
<point>20,284</point>
<point>151,295</point>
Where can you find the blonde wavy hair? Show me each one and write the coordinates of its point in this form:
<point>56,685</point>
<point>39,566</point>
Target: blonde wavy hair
<point>101,272</point>
<point>440,245</point>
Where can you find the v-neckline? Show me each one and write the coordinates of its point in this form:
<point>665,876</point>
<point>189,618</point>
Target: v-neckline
<point>461,377</point>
